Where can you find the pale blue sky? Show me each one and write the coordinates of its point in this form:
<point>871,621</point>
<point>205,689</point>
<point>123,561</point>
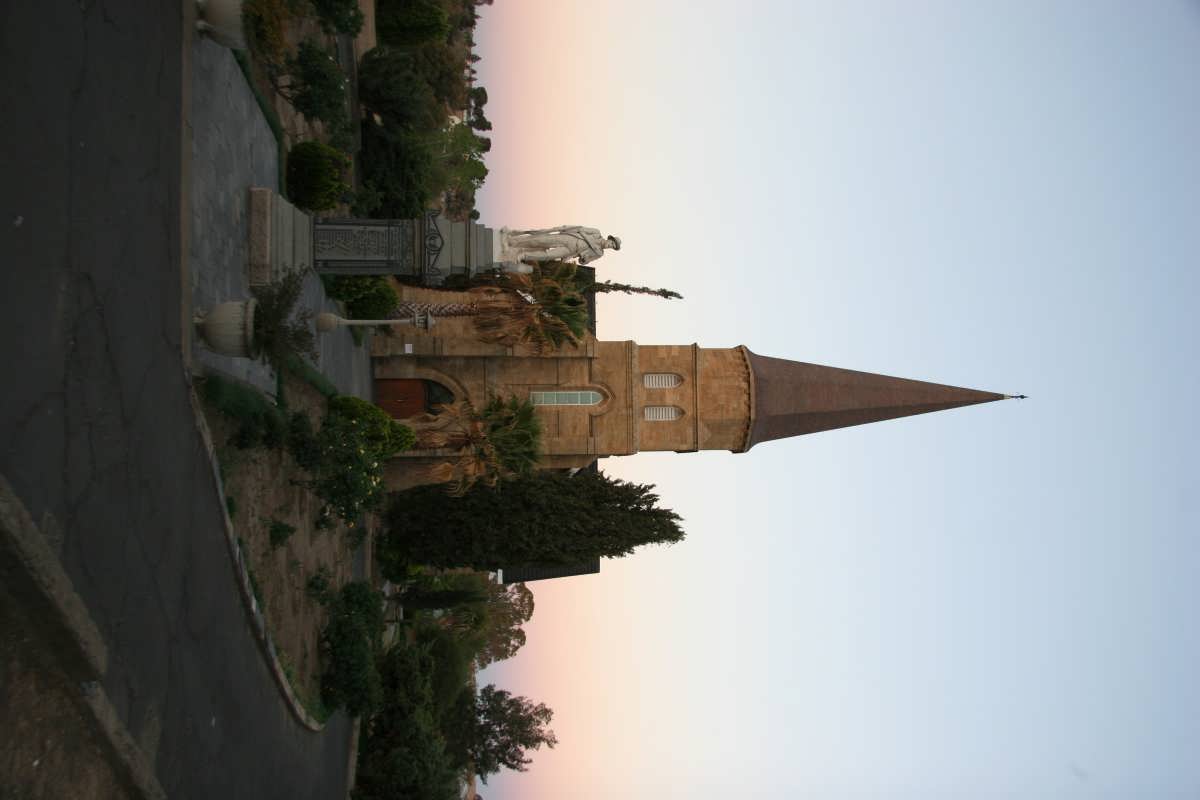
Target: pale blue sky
<point>997,601</point>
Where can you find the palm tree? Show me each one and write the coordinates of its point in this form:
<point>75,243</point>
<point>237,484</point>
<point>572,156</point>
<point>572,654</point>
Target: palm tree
<point>538,310</point>
<point>501,441</point>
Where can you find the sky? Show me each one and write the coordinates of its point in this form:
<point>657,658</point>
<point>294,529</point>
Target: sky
<point>995,601</point>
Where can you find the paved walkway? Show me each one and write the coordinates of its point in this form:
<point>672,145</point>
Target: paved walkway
<point>233,149</point>
<point>96,427</point>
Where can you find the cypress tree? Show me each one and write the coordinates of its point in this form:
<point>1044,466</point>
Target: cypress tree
<point>549,517</point>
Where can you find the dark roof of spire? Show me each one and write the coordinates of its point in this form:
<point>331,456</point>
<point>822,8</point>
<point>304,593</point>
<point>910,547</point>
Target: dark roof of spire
<point>793,398</point>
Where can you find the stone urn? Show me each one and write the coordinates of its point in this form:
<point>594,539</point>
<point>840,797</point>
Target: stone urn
<point>228,329</point>
<point>222,20</point>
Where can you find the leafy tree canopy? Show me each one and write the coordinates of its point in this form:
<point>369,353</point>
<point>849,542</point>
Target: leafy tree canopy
<point>505,727</point>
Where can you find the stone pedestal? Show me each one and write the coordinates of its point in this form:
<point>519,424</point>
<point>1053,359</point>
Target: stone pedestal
<point>430,249</point>
<point>281,237</point>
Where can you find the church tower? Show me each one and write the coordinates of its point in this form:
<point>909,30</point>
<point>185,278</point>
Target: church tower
<point>606,398</point>
<point>687,398</point>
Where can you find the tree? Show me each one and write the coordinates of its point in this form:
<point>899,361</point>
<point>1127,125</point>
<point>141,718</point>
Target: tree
<point>504,728</point>
<point>315,175</point>
<point>411,22</point>
<point>508,608</point>
<point>316,86</point>
<point>339,16</point>
<point>505,315</point>
<point>548,517</point>
<point>442,68</point>
<point>390,85</point>
<point>502,440</point>
<point>609,286</point>
<point>280,331</point>
<point>400,172</point>
<point>421,597</point>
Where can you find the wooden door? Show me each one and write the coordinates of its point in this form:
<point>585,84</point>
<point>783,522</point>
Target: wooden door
<point>400,397</point>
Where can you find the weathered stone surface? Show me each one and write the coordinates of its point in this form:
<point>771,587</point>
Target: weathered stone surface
<point>260,236</point>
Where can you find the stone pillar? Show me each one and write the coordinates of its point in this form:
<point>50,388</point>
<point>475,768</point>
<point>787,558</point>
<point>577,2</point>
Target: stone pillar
<point>431,248</point>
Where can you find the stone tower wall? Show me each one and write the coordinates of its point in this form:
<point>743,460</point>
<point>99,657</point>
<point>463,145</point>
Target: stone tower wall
<point>678,434</point>
<point>725,400</point>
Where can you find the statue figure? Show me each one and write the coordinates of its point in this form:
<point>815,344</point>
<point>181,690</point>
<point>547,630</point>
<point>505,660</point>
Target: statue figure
<point>555,244</point>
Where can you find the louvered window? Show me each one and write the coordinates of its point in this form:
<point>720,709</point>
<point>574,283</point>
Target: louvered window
<point>565,398</point>
<point>662,413</point>
<point>661,380</point>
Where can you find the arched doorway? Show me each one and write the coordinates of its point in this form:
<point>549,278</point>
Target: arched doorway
<point>402,398</point>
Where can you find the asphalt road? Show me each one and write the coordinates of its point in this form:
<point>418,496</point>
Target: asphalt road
<point>96,429</point>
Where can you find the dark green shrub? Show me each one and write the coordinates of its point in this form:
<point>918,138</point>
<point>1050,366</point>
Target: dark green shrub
<point>402,753</point>
<point>259,422</point>
<point>314,176</point>
<point>317,87</point>
<point>453,665</point>
<point>339,16</point>
<point>302,442</point>
<point>263,21</point>
<point>363,603</point>
<point>406,673</point>
<point>343,134</point>
<point>410,761</point>
<point>317,585</point>
<point>379,432</point>
<point>349,642</point>
<point>279,532</point>
<point>280,332</point>
<point>345,287</point>
<point>274,429</point>
<point>411,22</point>
<point>366,202</point>
<point>366,296</point>
<point>356,439</point>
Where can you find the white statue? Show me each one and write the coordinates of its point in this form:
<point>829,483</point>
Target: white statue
<point>563,243</point>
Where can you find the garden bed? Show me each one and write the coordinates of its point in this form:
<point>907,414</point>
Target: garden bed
<point>265,502</point>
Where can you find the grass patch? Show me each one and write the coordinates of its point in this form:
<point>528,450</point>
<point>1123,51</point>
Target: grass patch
<point>259,421</point>
<point>273,121</point>
<point>306,372</point>
<point>315,708</point>
<point>280,394</point>
<point>254,587</point>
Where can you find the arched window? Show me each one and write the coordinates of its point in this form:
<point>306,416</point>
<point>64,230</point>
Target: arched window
<point>587,398</point>
<point>663,413</point>
<point>436,396</point>
<point>661,380</point>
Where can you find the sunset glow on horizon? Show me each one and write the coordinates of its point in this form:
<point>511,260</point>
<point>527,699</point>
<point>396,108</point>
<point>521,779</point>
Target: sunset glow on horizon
<point>990,601</point>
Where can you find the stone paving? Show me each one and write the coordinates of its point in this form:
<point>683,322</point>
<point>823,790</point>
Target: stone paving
<point>233,149</point>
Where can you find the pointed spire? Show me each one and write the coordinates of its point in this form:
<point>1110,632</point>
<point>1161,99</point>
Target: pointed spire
<point>791,398</point>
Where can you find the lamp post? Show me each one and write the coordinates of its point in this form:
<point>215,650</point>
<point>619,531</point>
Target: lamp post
<point>327,321</point>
